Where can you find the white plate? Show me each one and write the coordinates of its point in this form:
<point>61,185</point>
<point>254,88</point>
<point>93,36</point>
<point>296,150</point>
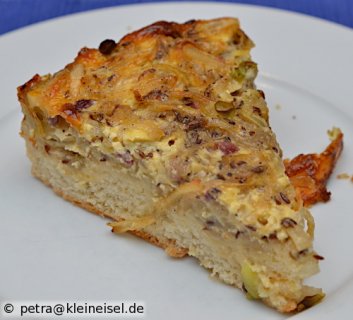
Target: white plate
<point>52,250</point>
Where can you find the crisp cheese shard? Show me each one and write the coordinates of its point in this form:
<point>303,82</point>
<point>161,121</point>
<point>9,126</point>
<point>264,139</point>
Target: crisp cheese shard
<point>165,133</point>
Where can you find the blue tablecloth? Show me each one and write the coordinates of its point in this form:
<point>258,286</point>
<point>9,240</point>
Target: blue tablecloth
<point>18,13</point>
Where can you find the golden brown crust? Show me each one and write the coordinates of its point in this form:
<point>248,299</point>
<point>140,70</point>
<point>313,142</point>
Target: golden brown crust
<point>164,28</point>
<point>146,68</point>
<point>309,173</point>
<point>168,245</point>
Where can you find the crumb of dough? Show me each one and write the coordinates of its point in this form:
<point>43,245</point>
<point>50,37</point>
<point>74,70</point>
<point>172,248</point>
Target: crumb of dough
<point>333,133</point>
<point>344,176</point>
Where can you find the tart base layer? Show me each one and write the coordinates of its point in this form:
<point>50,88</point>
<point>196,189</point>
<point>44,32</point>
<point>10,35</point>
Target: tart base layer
<point>234,258</point>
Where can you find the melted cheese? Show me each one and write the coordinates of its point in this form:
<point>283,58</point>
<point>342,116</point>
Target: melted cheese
<point>151,103</point>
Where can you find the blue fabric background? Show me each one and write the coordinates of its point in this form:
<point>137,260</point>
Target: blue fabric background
<point>18,13</point>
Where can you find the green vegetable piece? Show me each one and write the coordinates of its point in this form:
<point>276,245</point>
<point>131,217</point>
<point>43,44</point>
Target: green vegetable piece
<point>251,281</point>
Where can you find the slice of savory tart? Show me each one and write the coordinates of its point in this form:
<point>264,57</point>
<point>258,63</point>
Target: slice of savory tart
<point>165,133</point>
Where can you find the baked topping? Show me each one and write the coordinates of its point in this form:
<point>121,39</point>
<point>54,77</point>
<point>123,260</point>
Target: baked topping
<point>180,100</point>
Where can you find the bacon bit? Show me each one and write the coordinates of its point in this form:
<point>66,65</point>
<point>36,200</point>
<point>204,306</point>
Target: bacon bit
<point>257,110</point>
<point>227,147</point>
<point>47,148</point>
<point>107,46</point>
<point>127,158</point>
<point>171,142</point>
<point>310,173</point>
<point>194,124</point>
<point>96,117</point>
<point>141,154</point>
<point>216,134</point>
<point>194,137</point>
<point>258,169</point>
<point>190,122</point>
<point>272,236</point>
<point>187,101</point>
<point>212,194</point>
<point>83,104</point>
<point>65,161</point>
<point>288,223</point>
<point>156,94</point>
<point>144,155</point>
<point>182,119</point>
<point>71,111</point>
